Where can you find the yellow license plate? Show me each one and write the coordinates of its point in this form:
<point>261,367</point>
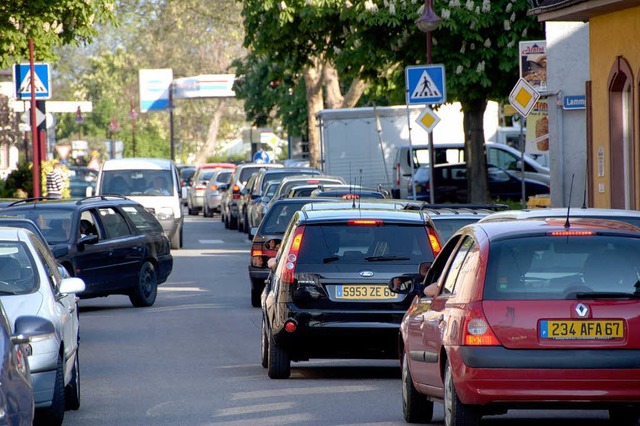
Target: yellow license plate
<point>581,329</point>
<point>364,292</point>
<point>418,188</point>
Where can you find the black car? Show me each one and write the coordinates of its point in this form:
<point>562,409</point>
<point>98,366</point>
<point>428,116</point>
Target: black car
<point>273,226</point>
<point>328,295</point>
<point>114,244</point>
<point>451,184</point>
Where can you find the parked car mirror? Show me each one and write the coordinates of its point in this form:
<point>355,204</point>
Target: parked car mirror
<point>402,284</point>
<point>424,268</point>
<point>30,328</point>
<point>273,244</point>
<point>71,285</point>
<point>252,232</point>
<point>259,261</point>
<point>87,239</point>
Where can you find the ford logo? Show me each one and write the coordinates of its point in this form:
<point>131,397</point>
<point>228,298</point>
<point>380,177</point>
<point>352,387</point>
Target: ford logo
<point>366,274</point>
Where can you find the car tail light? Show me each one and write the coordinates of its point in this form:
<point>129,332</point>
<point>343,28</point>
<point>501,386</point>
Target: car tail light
<point>571,233</point>
<point>365,222</point>
<point>290,326</point>
<point>214,187</point>
<point>200,187</point>
<point>433,241</point>
<point>291,259</point>
<point>476,330</point>
<point>236,192</point>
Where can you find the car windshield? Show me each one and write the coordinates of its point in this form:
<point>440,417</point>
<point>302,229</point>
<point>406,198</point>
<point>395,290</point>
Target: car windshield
<point>362,244</point>
<point>137,182</point>
<point>55,224</point>
<point>17,268</point>
<point>560,267</point>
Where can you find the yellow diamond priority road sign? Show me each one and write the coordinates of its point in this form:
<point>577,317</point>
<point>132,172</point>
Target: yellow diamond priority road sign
<point>428,119</point>
<point>523,97</point>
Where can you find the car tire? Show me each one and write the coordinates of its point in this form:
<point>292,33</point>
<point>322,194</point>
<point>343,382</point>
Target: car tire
<point>176,240</point>
<point>192,212</point>
<point>54,414</point>
<point>416,408</point>
<point>206,212</point>
<point>256,294</point>
<point>455,412</point>
<point>624,416</point>
<point>147,289</point>
<point>72,390</point>
<point>279,363</point>
<point>264,345</point>
<point>233,222</point>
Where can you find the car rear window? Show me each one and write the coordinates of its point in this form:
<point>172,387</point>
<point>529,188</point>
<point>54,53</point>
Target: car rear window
<point>246,173</point>
<point>560,267</point>
<point>362,244</point>
<point>142,219</point>
<point>447,226</point>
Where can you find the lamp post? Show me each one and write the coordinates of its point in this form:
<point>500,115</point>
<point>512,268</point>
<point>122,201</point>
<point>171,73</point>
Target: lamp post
<point>115,128</point>
<point>133,115</point>
<point>79,122</point>
<point>428,22</point>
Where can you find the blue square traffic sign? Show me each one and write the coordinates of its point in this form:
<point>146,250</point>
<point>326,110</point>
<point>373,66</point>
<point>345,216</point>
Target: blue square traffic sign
<point>425,84</point>
<point>22,81</point>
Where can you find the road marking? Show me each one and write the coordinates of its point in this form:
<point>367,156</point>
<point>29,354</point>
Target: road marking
<point>183,307</point>
<point>165,288</point>
<point>299,392</point>
<point>210,241</point>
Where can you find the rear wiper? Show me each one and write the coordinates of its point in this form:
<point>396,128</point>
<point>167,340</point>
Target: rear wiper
<point>330,259</point>
<point>604,295</point>
<point>383,258</point>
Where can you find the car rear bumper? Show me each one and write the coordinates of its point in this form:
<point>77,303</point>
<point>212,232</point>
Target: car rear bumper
<point>545,376</point>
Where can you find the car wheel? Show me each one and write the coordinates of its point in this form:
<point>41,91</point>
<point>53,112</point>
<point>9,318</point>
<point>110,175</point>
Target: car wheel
<point>278,364</point>
<point>624,416</point>
<point>256,294</point>
<point>53,415</point>
<point>147,289</point>
<point>176,240</point>
<point>264,345</point>
<point>455,412</point>
<point>206,212</point>
<point>233,222</point>
<point>72,390</point>
<point>416,408</point>
<point>192,212</point>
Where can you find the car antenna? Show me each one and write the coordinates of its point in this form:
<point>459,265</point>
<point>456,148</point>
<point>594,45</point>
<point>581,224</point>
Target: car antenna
<point>567,224</point>
<point>584,196</point>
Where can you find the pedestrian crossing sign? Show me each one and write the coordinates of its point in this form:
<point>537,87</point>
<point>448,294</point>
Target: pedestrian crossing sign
<point>425,84</point>
<point>22,81</point>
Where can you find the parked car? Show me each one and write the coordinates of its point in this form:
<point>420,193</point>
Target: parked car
<point>525,314</point>
<point>81,178</point>
<point>230,199</point>
<point>152,182</point>
<point>327,297</point>
<point>32,285</point>
<point>630,216</point>
<point>272,226</point>
<point>198,184</point>
<point>349,192</point>
<point>451,184</point>
<point>216,186</point>
<point>185,172</point>
<point>114,244</point>
<point>289,182</point>
<point>251,204</point>
<point>16,392</point>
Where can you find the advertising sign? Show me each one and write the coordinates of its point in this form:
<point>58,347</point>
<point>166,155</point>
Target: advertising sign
<point>537,137</point>
<point>154,89</point>
<point>533,63</point>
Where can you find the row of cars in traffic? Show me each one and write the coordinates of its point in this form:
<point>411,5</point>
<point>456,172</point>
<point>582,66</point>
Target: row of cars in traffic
<point>486,309</point>
<point>53,252</point>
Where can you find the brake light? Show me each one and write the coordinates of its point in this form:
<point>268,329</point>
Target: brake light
<point>476,330</point>
<point>365,222</point>
<point>200,187</point>
<point>214,187</point>
<point>313,181</point>
<point>291,258</point>
<point>236,192</point>
<point>434,241</point>
<point>571,233</point>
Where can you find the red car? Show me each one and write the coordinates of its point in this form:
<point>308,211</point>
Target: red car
<point>526,314</point>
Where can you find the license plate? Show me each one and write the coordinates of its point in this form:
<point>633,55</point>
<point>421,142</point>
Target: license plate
<point>581,329</point>
<point>365,292</point>
<point>418,188</point>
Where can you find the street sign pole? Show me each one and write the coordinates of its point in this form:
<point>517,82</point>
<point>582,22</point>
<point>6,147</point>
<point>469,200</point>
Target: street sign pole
<point>34,126</point>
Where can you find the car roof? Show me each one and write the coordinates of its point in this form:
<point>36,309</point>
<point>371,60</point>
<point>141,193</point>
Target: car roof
<point>369,203</point>
<point>217,166</point>
<point>560,212</point>
<point>338,215</point>
<point>67,204</point>
<point>10,233</point>
<point>137,163</point>
<point>508,229</point>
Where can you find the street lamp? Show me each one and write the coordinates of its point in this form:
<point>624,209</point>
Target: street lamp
<point>79,121</point>
<point>132,115</point>
<point>428,22</point>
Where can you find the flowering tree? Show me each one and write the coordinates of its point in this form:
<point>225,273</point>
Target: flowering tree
<point>360,45</point>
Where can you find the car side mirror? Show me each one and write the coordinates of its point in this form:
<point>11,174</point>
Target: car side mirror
<point>402,284</point>
<point>273,244</point>
<point>252,232</point>
<point>260,261</point>
<point>424,268</point>
<point>87,239</point>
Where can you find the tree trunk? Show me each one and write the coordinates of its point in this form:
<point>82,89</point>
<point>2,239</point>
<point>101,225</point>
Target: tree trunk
<point>315,103</point>
<point>212,133</point>
<point>474,152</point>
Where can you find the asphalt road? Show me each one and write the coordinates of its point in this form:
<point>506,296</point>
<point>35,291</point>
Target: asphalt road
<point>193,357</point>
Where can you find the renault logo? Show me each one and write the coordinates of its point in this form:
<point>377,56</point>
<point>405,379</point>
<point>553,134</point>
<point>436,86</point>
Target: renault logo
<point>581,310</point>
<point>366,274</point>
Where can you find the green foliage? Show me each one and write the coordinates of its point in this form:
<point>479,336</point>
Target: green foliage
<point>223,158</point>
<point>20,179</point>
<point>50,24</point>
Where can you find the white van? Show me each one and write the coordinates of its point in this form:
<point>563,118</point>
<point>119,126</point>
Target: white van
<point>152,182</point>
<point>499,154</point>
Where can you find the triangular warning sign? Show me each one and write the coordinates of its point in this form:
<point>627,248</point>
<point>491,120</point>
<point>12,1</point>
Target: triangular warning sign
<point>25,86</point>
<point>425,88</point>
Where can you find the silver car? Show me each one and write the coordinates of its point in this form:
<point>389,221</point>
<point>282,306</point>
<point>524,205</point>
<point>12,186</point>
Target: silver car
<point>31,284</point>
<point>217,184</point>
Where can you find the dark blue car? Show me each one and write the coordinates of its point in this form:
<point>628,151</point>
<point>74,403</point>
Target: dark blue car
<point>451,184</point>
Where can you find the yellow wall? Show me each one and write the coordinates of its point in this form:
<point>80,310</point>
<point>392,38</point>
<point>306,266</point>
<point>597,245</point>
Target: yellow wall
<point>610,36</point>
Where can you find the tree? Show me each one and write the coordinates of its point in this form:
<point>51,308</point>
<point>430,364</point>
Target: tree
<point>49,24</point>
